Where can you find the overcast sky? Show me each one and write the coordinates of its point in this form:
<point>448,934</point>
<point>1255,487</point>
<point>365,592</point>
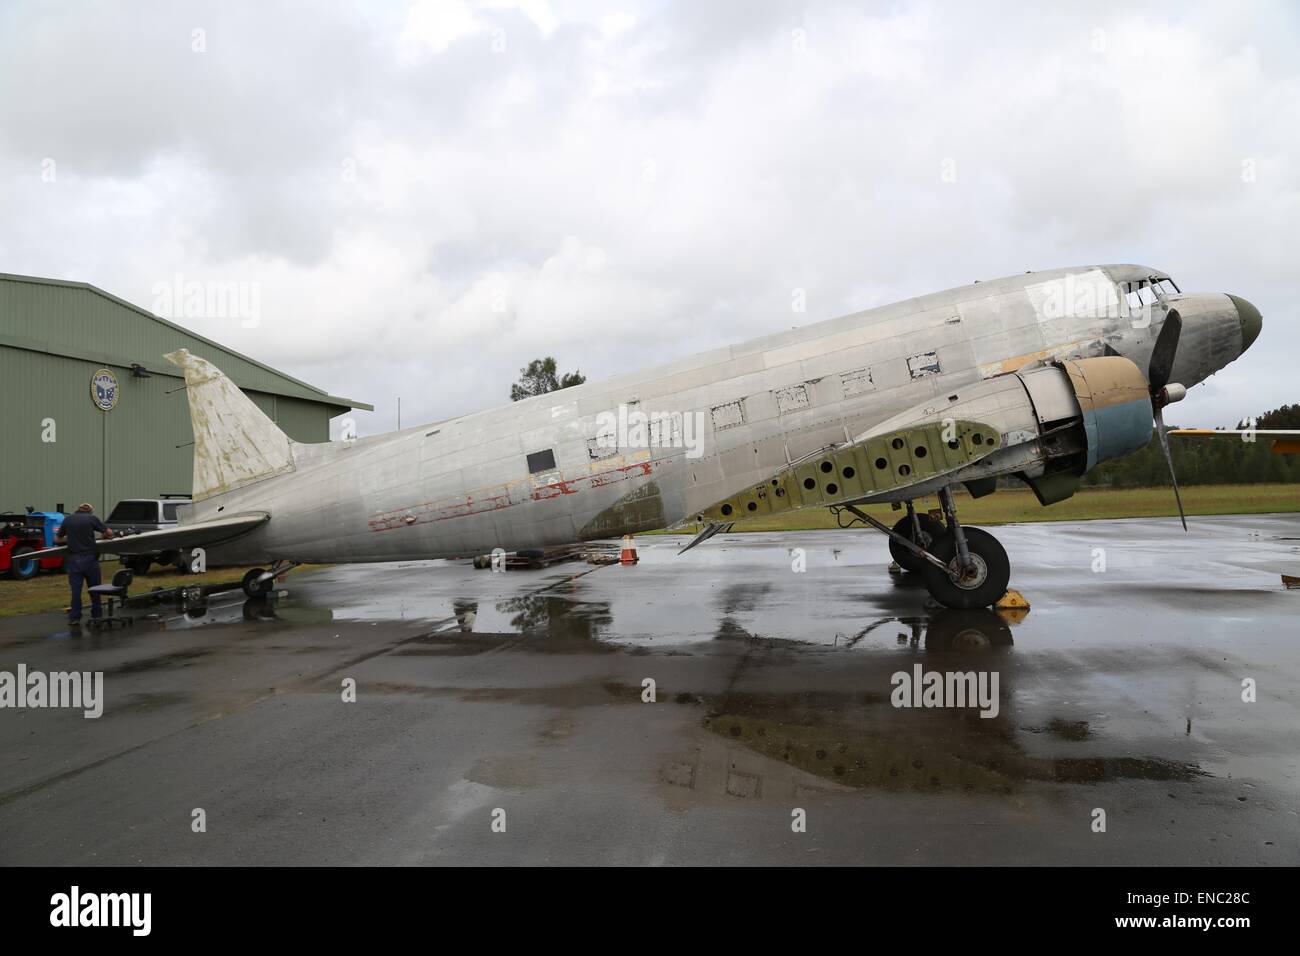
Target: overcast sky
<point>423,197</point>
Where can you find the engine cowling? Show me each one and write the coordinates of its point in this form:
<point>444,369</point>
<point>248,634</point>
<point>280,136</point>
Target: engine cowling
<point>1115,404</point>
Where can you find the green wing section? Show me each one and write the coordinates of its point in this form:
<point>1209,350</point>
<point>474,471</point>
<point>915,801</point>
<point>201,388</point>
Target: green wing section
<point>863,469</point>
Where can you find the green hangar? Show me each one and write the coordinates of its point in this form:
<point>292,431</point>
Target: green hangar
<point>91,410</point>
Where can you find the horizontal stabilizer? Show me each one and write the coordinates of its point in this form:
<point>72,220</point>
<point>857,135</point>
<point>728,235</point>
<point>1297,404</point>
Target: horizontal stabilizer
<point>180,538</point>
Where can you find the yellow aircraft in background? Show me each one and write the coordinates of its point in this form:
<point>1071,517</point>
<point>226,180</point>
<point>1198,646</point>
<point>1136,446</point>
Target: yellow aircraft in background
<point>1285,442</point>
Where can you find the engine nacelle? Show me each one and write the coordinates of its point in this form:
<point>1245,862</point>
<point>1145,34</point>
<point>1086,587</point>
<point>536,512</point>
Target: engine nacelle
<point>1056,422</point>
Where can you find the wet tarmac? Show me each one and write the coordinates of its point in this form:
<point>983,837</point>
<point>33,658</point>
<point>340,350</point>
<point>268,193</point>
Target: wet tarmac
<point>517,699</point>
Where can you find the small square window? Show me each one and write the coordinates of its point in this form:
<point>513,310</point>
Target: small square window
<point>541,461</point>
<point>927,363</point>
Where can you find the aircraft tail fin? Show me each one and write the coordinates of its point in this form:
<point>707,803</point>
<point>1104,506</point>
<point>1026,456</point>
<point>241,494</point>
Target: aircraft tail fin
<point>235,444</point>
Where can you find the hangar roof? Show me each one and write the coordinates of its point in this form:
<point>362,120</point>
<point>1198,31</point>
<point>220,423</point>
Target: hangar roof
<point>78,320</point>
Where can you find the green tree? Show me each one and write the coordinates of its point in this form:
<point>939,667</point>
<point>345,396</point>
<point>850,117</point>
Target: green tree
<point>1286,417</point>
<point>539,377</point>
<point>1208,461</point>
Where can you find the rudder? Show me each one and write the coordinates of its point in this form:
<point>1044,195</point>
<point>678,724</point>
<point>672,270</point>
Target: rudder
<point>235,444</point>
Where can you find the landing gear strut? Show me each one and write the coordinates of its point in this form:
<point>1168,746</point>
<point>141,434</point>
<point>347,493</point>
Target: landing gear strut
<point>962,568</point>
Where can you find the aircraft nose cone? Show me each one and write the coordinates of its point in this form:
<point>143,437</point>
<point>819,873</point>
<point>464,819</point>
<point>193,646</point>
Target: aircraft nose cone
<point>1251,321</point>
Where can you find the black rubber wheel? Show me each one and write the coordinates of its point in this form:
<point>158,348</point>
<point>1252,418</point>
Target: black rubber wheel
<point>930,530</point>
<point>255,588</point>
<point>19,569</point>
<point>992,571</point>
<point>139,564</point>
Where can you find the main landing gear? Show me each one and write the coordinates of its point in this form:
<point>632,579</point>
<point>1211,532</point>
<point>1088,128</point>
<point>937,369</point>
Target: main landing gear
<point>962,568</point>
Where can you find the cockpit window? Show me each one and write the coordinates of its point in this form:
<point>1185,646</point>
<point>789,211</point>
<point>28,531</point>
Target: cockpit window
<point>1142,292</point>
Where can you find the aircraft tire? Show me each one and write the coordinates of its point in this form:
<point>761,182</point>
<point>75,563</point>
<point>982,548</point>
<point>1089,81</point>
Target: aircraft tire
<point>966,631</point>
<point>990,583</point>
<point>258,589</point>
<point>930,530</point>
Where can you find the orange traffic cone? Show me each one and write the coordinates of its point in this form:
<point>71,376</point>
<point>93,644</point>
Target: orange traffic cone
<point>629,551</point>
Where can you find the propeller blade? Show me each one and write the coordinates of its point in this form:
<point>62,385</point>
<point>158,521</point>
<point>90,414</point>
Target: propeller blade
<point>1164,446</point>
<point>1161,366</point>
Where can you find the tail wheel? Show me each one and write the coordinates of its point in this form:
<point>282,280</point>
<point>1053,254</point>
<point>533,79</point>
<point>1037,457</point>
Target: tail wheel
<point>931,529</point>
<point>19,569</point>
<point>982,584</point>
<point>255,588</point>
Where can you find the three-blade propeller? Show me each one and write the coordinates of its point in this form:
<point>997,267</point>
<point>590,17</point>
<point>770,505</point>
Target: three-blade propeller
<point>1163,393</point>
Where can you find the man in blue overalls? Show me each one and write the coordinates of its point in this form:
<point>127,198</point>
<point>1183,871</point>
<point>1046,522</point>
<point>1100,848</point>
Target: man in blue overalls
<point>82,563</point>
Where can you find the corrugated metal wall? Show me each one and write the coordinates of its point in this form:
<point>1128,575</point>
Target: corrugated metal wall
<point>82,321</point>
<point>143,447</point>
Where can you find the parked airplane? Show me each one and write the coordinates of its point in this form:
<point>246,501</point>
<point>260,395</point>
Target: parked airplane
<point>1282,441</point>
<point>1042,376</point>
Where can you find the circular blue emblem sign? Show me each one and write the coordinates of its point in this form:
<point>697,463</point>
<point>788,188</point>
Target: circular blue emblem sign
<point>103,390</point>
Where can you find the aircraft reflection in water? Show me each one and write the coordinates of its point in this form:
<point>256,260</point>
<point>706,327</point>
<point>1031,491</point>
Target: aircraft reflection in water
<point>847,732</point>
<point>223,610</point>
<point>820,720</point>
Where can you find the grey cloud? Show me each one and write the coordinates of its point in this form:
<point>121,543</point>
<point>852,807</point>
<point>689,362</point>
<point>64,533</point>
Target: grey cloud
<point>641,181</point>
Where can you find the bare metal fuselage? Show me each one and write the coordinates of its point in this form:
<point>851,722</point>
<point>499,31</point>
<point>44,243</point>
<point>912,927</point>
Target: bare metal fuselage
<point>464,487</point>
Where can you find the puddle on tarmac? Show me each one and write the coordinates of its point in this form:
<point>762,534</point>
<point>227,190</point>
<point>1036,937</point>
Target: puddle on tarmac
<point>857,742</point>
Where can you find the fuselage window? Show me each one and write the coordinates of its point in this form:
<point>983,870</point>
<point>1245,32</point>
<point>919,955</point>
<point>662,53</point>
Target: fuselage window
<point>541,461</point>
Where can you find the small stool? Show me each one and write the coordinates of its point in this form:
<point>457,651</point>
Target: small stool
<point>116,597</point>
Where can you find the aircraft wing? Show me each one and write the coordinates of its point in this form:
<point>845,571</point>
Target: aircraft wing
<point>194,535</point>
<point>1285,441</point>
<point>881,464</point>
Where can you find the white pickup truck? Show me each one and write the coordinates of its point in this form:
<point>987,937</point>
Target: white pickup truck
<point>134,515</point>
